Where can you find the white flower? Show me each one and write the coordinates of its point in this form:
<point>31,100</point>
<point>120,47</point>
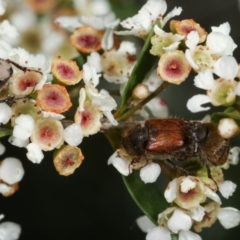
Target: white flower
<point>227,188</point>
<point>18,142</point>
<point>219,40</point>
<point>5,113</point>
<point>198,213</point>
<point>68,22</point>
<point>11,170</point>
<point>9,231</point>
<point>90,75</point>
<point>94,60</point>
<point>122,165</point>
<point>23,128</point>
<point>194,104</point>
<point>34,153</point>
<point>150,172</point>
<point>158,233</point>
<point>179,221</point>
<point>7,30</point>
<point>145,224</point>
<point>158,107</point>
<point>141,23</point>
<point>229,217</point>
<point>73,134</point>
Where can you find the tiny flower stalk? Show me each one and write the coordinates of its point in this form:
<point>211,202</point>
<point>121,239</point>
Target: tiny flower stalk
<point>67,159</point>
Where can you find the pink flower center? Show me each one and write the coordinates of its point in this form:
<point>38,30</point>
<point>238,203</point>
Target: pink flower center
<point>67,161</point>
<point>46,133</point>
<point>173,68</point>
<point>26,83</point>
<point>54,99</point>
<point>87,41</point>
<point>187,29</point>
<point>65,71</point>
<point>85,118</point>
<point>188,195</point>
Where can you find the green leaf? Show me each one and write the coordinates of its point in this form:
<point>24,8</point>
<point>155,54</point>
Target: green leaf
<point>5,132</point>
<point>146,196</point>
<point>174,237</point>
<point>143,65</point>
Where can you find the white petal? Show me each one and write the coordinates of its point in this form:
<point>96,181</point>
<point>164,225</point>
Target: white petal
<point>158,107</point>
<point>5,188</point>
<point>205,80</point>
<point>226,67</point>
<point>234,155</point>
<point>114,155</point>
<point>11,170</point>
<point>9,231</point>
<point>94,60</point>
<point>158,30</point>
<point>150,172</point>
<point>2,149</point>
<point>73,134</point>
<point>172,47</point>
<point>179,221</point>
<point>122,166</point>
<point>18,142</point>
<point>68,22</point>
<point>34,153</point>
<point>224,28</point>
<point>171,191</point>
<point>188,55</point>
<point>198,213</point>
<point>145,224</point>
<point>90,75</point>
<point>158,233</point>
<point>195,102</point>
<point>188,235</point>
<point>110,117</point>
<point>82,98</point>
<point>175,12</point>
<point>107,40</point>
<point>5,48</point>
<point>127,47</point>
<point>229,217</point>
<point>5,113</point>
<point>212,195</point>
<point>192,39</point>
<point>3,4</point>
<point>6,29</point>
<point>227,188</point>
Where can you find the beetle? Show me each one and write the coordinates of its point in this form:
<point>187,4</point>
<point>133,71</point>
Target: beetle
<point>172,138</point>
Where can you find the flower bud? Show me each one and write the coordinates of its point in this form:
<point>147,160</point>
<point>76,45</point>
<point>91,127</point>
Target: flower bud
<point>228,128</point>
<point>140,92</point>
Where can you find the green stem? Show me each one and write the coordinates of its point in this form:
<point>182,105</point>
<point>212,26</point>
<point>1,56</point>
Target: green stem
<point>142,103</point>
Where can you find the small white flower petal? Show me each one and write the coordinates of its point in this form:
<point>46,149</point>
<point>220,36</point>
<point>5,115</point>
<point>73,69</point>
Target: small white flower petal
<point>68,22</point>
<point>145,224</point>
<point>94,60</point>
<point>122,166</point>
<point>187,184</point>
<point>188,55</point>
<point>2,149</point>
<point>9,231</point>
<point>205,80</point>
<point>198,213</point>
<point>73,134</point>
<point>90,75</point>
<point>18,142</point>
<point>195,102</point>
<point>111,118</point>
<point>212,195</point>
<point>158,233</point>
<point>223,28</point>
<point>175,12</point>
<point>34,153</point>
<point>229,217</point>
<point>171,191</point>
<point>3,5</point>
<point>5,113</point>
<point>114,155</point>
<point>158,107</point>
<point>234,155</point>
<point>4,188</point>
<point>150,172</point>
<point>227,188</point>
<point>188,235</point>
<point>11,170</point>
<point>226,67</point>
<point>192,40</point>
<point>179,221</point>
<point>6,29</point>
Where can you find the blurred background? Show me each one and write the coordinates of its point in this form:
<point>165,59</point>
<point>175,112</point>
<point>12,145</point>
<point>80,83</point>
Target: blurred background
<point>93,203</point>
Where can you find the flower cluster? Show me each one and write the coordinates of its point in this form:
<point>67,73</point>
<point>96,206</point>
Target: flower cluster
<point>52,100</point>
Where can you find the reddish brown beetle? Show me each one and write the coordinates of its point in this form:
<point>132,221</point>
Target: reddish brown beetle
<point>166,139</point>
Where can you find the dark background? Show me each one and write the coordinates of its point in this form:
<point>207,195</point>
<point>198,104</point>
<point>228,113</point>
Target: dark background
<point>93,203</point>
